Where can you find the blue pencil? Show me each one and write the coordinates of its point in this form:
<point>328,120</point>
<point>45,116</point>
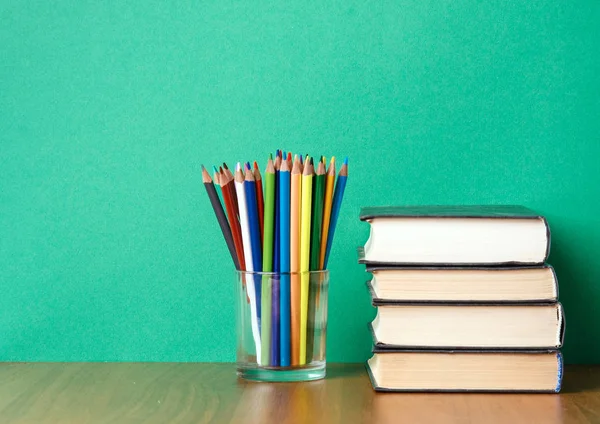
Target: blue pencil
<point>250,189</point>
<point>336,204</point>
<point>284,259</point>
<point>275,294</point>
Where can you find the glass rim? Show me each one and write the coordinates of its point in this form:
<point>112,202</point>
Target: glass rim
<point>271,273</point>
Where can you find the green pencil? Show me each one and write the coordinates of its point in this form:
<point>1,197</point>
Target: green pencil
<point>317,216</point>
<point>267,265</point>
<point>315,244</point>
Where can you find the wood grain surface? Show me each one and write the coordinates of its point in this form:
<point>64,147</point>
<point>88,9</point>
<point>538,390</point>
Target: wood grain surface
<point>82,393</point>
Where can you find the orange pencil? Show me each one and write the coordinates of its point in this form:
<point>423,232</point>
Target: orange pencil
<point>329,183</point>
<point>295,193</point>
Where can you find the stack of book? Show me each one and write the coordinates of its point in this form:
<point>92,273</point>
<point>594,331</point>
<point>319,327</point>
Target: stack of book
<point>465,301</point>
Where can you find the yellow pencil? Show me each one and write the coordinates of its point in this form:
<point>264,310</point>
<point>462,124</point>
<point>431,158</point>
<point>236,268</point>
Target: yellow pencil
<point>307,177</point>
<point>329,183</point>
<point>295,216</point>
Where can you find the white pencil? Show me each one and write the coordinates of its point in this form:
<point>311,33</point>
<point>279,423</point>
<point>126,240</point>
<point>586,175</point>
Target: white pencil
<point>245,225</point>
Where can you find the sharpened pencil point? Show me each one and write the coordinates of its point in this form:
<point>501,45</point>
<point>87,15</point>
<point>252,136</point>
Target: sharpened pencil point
<point>215,169</point>
<point>203,168</point>
<point>346,161</point>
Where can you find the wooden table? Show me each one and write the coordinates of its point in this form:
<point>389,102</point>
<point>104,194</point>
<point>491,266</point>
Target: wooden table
<point>197,393</point>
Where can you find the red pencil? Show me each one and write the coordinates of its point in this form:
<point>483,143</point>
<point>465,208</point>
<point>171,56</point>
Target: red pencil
<point>259,201</point>
<point>229,175</point>
<point>234,223</point>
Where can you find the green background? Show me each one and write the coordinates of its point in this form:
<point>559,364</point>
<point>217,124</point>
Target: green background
<point>108,247</point>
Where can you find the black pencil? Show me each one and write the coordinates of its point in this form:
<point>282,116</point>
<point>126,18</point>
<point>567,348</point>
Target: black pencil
<point>220,214</point>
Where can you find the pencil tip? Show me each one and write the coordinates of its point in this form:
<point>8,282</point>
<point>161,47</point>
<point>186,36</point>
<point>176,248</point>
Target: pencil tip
<point>215,169</point>
<point>203,168</point>
<point>346,161</point>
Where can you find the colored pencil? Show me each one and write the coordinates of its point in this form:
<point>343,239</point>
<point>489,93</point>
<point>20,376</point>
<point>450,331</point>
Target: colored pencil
<point>230,177</point>
<point>315,243</point>
<point>317,216</point>
<point>220,214</point>
<point>307,178</point>
<point>284,267</point>
<point>259,200</point>
<point>338,195</point>
<point>266,288</point>
<point>250,286</point>
<point>295,202</point>
<point>250,188</point>
<point>276,284</point>
<point>217,183</point>
<point>234,223</point>
<point>329,183</point>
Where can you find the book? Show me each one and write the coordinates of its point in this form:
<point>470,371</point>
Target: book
<point>455,235</point>
<point>472,371</point>
<point>536,284</point>
<point>445,326</point>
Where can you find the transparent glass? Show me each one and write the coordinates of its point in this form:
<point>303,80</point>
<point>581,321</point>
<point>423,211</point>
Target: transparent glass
<point>281,325</point>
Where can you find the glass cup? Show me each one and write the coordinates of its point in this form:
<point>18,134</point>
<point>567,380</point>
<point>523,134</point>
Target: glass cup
<point>281,325</point>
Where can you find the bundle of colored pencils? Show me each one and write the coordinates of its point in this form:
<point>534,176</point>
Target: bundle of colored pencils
<point>284,227</point>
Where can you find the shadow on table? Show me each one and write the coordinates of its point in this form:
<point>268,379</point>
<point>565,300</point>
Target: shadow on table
<point>580,378</point>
